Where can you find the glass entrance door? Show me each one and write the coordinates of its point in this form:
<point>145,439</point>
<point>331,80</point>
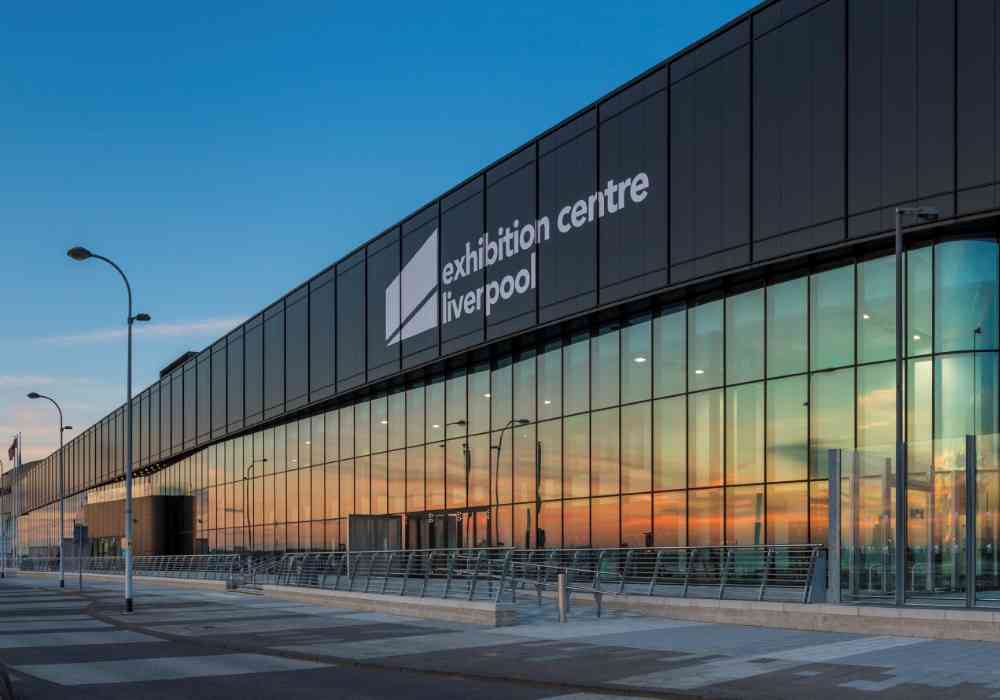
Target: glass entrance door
<point>448,529</point>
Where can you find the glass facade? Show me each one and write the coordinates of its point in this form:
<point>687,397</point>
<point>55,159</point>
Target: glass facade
<point>703,423</point>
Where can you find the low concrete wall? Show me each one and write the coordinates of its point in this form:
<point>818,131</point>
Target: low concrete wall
<point>474,612</point>
<point>936,623</point>
<point>468,611</point>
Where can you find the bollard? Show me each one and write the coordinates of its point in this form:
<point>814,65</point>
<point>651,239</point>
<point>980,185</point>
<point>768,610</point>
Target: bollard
<point>561,594</point>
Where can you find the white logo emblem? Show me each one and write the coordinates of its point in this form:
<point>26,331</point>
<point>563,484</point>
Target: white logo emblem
<point>411,299</point>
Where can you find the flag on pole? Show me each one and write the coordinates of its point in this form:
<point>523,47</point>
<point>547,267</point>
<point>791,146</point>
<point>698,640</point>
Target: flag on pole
<point>12,450</point>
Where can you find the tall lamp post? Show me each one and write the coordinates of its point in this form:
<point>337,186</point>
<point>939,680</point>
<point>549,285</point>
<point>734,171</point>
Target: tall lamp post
<point>923,215</point>
<point>78,253</point>
<point>499,449</point>
<point>247,476</point>
<point>62,485</point>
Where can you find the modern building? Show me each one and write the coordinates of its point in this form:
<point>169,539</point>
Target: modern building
<point>657,323</point>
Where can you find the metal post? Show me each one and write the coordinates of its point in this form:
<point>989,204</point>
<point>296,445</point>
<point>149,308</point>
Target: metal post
<point>833,527</point>
<point>971,558</point>
<point>128,466</point>
<point>562,595</point>
<point>900,529</point>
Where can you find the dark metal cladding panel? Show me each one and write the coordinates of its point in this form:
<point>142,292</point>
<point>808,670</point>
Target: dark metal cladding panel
<point>512,219</point>
<point>254,370</point>
<point>382,311</point>
<point>899,103</point>
<point>682,162</point>
<point>234,384</point>
<point>190,404</point>
<point>864,121</point>
<point>463,319</point>
<point>421,235</point>
<point>274,360</point>
<point>297,352</point>
<point>977,95</point>
<point>321,337</point>
<point>935,59</point>
<point>204,420</point>
<point>219,376</point>
<point>567,262</point>
<point>351,322</point>
<point>634,238</point>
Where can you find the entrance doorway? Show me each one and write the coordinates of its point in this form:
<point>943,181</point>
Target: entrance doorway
<point>451,529</point>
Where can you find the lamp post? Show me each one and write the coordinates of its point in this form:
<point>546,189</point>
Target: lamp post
<point>78,253</point>
<point>499,448</point>
<point>247,474</point>
<point>62,485</point>
<point>4,529</point>
<point>922,214</point>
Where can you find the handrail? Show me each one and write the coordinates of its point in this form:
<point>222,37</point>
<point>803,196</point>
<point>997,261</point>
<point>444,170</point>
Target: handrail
<point>766,572</point>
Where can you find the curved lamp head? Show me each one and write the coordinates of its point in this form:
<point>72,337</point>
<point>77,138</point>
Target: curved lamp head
<point>521,421</point>
<point>67,427</point>
<point>79,253</point>
<point>34,395</point>
<point>143,317</point>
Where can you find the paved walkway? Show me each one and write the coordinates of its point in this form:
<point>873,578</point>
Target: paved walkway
<point>200,643</point>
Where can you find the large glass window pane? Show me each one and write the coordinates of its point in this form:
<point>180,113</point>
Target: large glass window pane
<point>965,396</point>
<point>705,345</point>
<point>705,438</point>
<point>670,353</point>
<point>380,424</point>
<point>576,456</point>
<point>919,305</point>
<point>637,525</point>
<point>503,468</point>
<point>397,485</point>
<point>347,487</point>
<point>919,417</point>
<point>549,533</point>
<point>604,368</point>
<point>831,417</point>
<point>576,366</point>
<point>415,479</point>
<point>415,416</point>
<point>787,329</point>
<point>670,443</point>
<point>434,467</point>
<point>745,337</point>
<point>877,309</point>
<point>479,400</point>
<point>480,469</point>
<point>745,433</point>
<point>604,522</point>
<point>346,432</point>
<point>637,368</point>
<point>397,420</point>
<point>501,393</point>
<point>786,514</point>
<point>550,382</point>
<point>550,441</point>
<point>965,295</point>
<point>525,383</point>
<point>787,429</point>
<point>317,441</point>
<point>434,408</point>
<point>877,409</point>
<point>604,443</point>
<point>362,485</point>
<point>670,519</point>
<point>832,319</point>
<point>331,495</point>
<point>637,446</point>
<point>576,523</point>
<point>455,407</point>
<point>524,462</point>
<point>456,474</point>
<point>745,515</point>
<point>362,428</point>
<point>705,518</point>
<point>819,512</point>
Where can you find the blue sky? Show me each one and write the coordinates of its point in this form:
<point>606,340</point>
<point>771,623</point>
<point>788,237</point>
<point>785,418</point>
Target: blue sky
<point>223,154</point>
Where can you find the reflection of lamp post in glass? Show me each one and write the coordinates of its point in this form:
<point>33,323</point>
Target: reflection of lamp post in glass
<point>248,524</point>
<point>499,449</point>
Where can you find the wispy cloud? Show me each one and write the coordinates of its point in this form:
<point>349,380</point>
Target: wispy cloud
<point>182,329</point>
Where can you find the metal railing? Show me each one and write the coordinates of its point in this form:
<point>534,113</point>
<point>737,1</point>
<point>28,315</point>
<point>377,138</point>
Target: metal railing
<point>765,573</point>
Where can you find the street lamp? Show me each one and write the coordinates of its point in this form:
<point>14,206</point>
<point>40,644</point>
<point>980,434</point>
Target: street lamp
<point>922,215</point>
<point>499,448</point>
<point>247,474</point>
<point>79,253</point>
<point>62,485</point>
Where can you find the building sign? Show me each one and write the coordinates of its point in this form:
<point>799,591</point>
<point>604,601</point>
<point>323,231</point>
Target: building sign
<point>413,297</point>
